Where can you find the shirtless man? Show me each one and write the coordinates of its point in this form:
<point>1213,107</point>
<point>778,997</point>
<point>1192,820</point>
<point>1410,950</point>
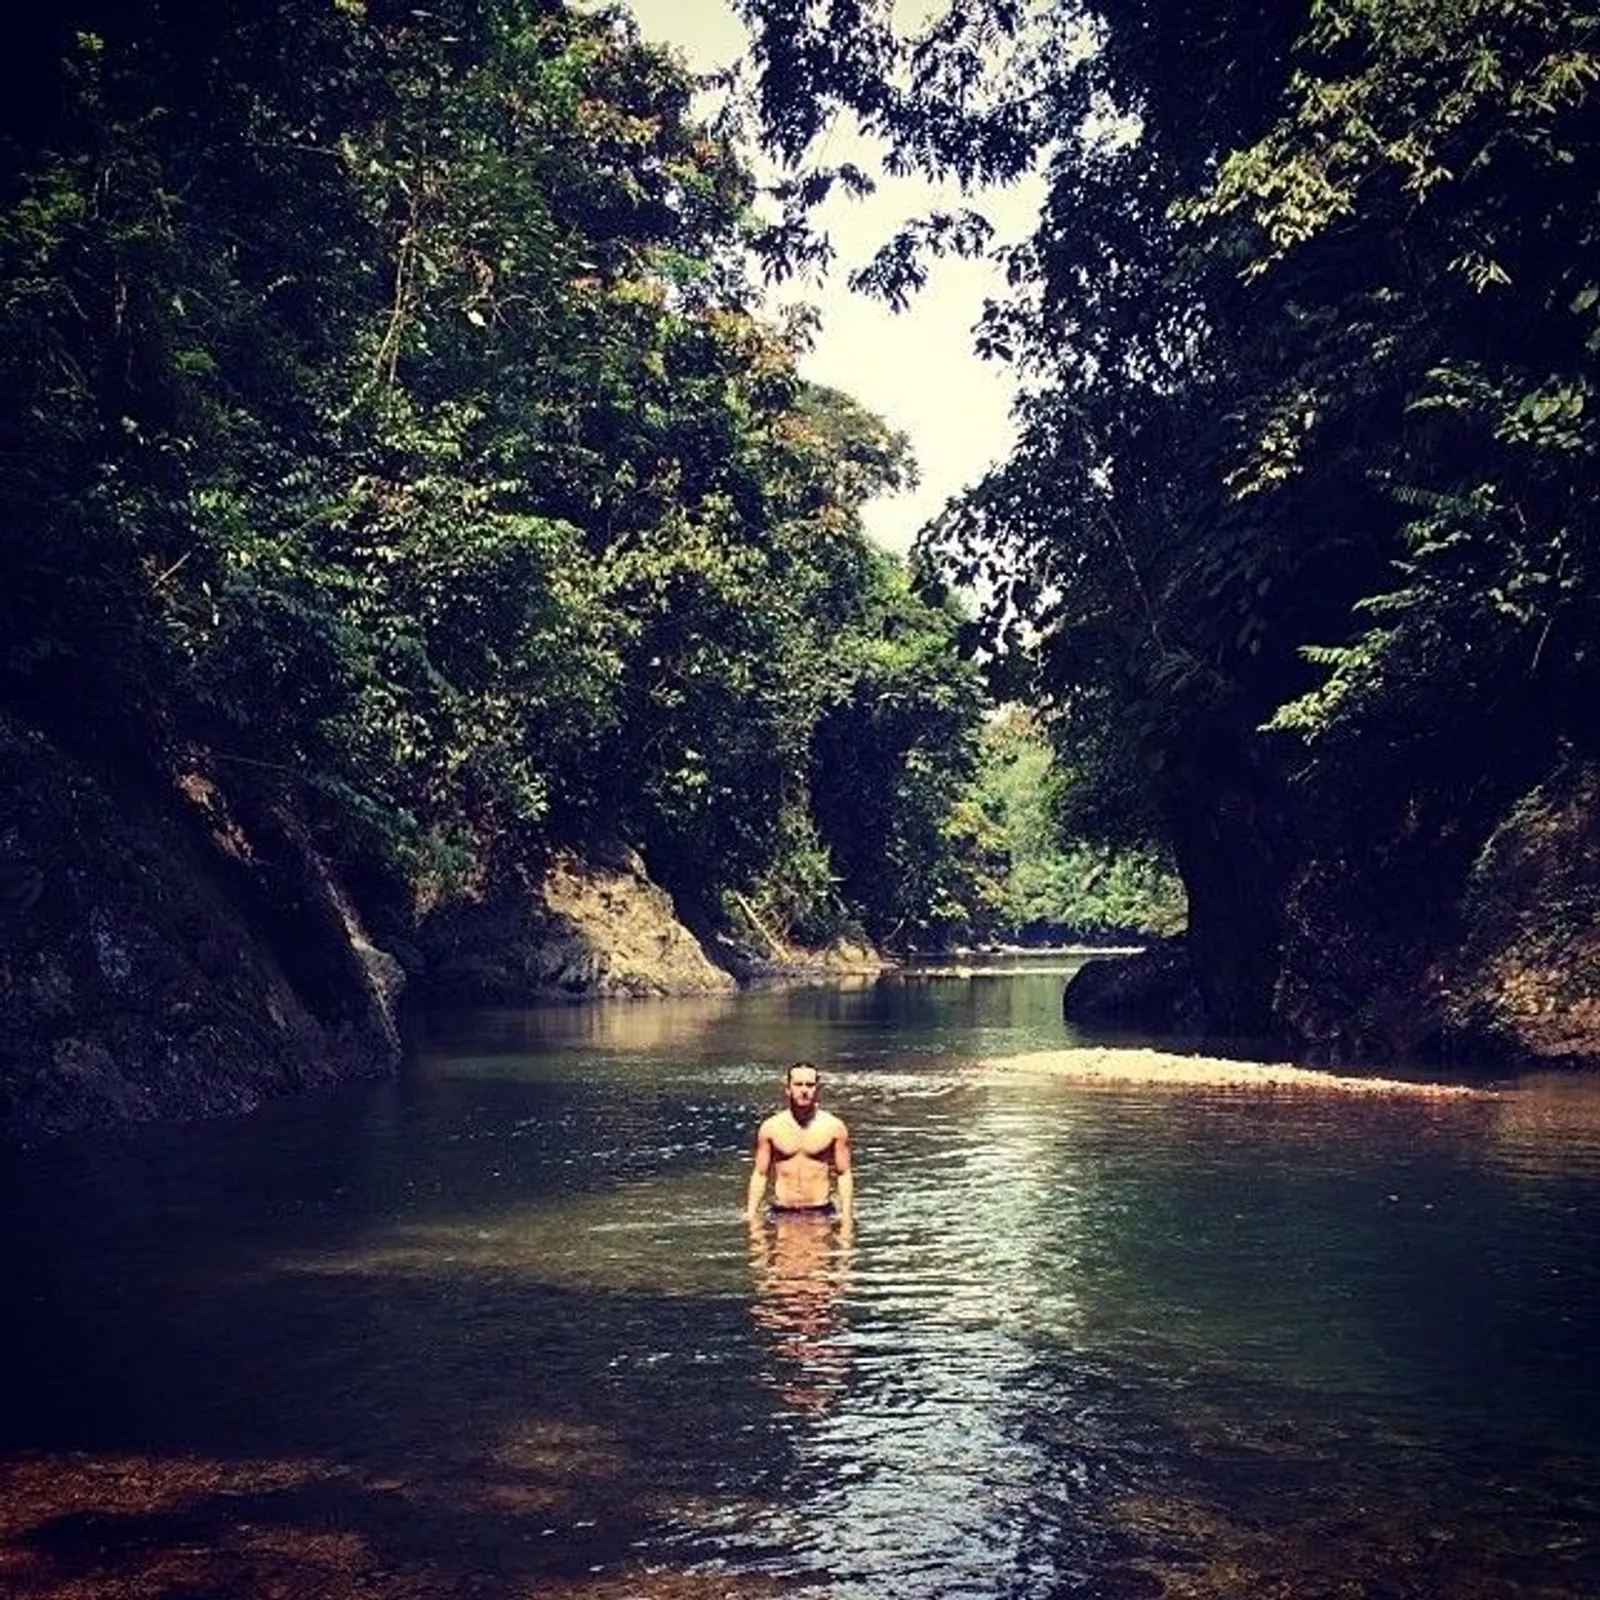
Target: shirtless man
<point>802,1148</point>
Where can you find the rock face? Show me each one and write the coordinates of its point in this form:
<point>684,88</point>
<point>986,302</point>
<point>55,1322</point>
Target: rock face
<point>174,946</point>
<point>1480,956</point>
<point>584,928</point>
<point>1526,971</point>
<point>163,957</point>
<point>1482,948</point>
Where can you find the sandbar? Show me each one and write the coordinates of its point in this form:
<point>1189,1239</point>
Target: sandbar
<point>1105,1065</point>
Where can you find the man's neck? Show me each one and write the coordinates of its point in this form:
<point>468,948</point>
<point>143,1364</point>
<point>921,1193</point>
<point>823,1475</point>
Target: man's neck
<point>802,1114</point>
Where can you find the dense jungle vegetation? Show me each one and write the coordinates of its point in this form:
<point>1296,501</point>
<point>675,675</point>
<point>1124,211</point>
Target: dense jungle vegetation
<point>396,414</point>
<point>1297,551</point>
<point>390,411</point>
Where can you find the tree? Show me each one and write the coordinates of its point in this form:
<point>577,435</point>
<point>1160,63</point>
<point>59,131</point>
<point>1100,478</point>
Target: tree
<point>1431,182</point>
<point>890,760</point>
<point>396,431</point>
<point>1053,884</point>
<point>1296,521</point>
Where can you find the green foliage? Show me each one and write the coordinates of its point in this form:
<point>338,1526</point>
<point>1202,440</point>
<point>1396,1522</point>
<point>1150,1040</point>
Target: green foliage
<point>797,898</point>
<point>890,758</point>
<point>1451,141</point>
<point>1051,882</point>
<point>392,418</point>
<point>1295,548</point>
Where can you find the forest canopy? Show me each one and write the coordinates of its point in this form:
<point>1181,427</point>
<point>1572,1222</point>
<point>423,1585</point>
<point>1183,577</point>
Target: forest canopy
<point>1297,549</point>
<point>395,422</point>
<point>394,419</point>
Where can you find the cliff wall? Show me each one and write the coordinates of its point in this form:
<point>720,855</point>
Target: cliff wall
<point>162,955</point>
<point>175,946</point>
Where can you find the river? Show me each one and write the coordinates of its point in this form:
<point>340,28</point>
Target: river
<point>498,1329</point>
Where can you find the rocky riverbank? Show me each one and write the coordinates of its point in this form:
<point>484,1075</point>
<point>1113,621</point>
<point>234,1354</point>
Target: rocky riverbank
<point>595,926</point>
<point>177,944</point>
<point>1497,966</point>
<point>169,950</point>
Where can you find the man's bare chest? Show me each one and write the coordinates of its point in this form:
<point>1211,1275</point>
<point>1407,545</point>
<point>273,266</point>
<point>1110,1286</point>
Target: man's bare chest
<point>816,1140</point>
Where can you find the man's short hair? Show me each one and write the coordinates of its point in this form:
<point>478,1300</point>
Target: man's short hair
<point>801,1066</point>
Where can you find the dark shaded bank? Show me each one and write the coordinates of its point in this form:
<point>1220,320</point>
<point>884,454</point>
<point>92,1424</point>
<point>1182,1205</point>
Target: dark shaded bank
<point>1488,966</point>
<point>176,945</point>
<point>169,950</point>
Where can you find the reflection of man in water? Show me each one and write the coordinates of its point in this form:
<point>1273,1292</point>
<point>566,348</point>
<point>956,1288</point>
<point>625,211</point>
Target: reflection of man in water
<point>806,1152</point>
<point>802,1265</point>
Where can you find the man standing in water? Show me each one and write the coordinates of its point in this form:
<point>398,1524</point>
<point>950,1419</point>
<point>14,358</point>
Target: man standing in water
<point>806,1152</point>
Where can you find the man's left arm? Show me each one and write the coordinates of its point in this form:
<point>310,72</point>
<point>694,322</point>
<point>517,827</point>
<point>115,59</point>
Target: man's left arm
<point>845,1172</point>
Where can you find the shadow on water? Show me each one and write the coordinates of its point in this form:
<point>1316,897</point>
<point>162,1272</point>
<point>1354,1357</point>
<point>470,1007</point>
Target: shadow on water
<point>444,1429</point>
<point>349,1347</point>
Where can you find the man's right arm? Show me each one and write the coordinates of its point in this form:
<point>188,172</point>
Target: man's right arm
<point>756,1189</point>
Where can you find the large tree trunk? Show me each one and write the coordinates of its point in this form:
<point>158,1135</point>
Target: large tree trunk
<point>1227,814</point>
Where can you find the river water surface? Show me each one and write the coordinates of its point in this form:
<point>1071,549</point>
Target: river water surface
<point>499,1329</point>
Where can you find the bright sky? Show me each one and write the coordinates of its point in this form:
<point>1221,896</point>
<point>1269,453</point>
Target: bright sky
<point>915,368</point>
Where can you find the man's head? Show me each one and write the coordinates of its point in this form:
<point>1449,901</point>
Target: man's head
<point>802,1081</point>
